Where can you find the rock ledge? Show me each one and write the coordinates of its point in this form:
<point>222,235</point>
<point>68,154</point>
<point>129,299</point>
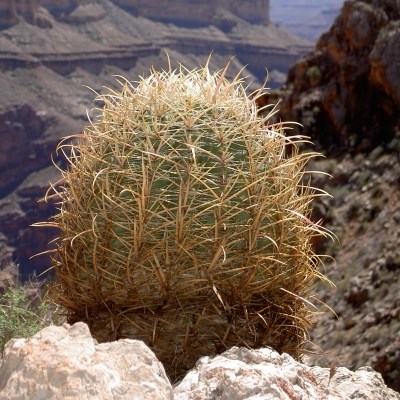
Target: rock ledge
<point>65,362</point>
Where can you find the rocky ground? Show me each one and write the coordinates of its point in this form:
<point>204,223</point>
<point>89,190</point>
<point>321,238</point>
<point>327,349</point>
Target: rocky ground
<point>65,362</point>
<point>346,94</point>
<point>365,215</point>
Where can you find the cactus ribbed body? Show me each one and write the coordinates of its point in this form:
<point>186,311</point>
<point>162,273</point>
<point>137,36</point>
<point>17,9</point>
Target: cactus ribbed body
<point>185,223</point>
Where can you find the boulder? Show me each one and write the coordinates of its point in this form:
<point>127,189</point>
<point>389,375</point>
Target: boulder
<point>65,362</point>
<point>240,373</point>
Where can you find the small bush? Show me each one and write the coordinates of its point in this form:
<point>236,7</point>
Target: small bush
<point>19,318</point>
<point>314,75</point>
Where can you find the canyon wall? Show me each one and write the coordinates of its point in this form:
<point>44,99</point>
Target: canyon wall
<point>181,12</point>
<point>195,12</point>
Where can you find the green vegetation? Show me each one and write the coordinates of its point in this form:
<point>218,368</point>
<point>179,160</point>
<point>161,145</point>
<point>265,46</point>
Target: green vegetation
<point>23,311</point>
<point>314,75</point>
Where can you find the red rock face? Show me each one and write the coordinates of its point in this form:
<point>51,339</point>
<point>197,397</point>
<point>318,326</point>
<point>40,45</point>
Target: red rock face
<point>346,93</point>
<point>385,59</point>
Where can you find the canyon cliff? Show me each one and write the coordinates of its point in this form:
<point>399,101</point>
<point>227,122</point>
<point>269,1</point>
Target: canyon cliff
<point>346,93</point>
<point>181,12</point>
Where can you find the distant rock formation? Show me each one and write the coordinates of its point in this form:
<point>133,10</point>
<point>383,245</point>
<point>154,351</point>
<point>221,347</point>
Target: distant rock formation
<point>346,92</point>
<point>11,11</point>
<point>191,13</point>
<point>66,363</point>
<point>198,13</point>
<point>308,19</point>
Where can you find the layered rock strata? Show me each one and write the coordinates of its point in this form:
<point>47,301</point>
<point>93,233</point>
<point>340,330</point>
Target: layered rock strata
<point>182,12</point>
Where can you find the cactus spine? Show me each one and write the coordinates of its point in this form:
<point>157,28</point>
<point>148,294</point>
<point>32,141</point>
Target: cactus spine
<point>184,222</point>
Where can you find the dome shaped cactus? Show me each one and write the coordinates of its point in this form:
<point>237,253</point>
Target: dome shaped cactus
<point>184,221</point>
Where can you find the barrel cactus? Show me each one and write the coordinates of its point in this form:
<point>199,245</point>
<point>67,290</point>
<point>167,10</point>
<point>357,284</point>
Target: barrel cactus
<point>185,222</point>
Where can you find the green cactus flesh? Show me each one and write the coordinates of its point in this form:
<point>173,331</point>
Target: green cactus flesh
<point>184,222</point>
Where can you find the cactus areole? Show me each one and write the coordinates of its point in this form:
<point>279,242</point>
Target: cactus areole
<point>185,222</point>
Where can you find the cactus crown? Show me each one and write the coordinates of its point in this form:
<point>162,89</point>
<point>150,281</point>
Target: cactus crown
<point>184,222</point>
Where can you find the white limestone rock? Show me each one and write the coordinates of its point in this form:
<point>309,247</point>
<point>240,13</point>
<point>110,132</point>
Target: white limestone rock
<point>362,384</point>
<point>263,374</point>
<point>66,363</point>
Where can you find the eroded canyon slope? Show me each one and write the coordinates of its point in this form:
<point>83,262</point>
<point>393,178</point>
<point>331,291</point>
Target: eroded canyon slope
<point>346,93</point>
